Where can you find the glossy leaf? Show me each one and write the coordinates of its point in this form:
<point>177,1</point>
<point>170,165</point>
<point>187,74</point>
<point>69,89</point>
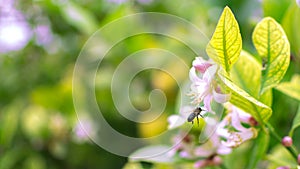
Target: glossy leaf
<point>292,88</point>
<point>246,74</point>
<point>243,100</point>
<point>296,122</point>
<point>226,43</point>
<point>258,150</point>
<point>273,46</point>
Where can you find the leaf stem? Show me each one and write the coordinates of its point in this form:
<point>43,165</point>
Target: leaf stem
<point>291,149</point>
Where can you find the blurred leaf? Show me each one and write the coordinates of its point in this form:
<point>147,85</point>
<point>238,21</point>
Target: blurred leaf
<point>267,97</point>
<point>226,43</point>
<point>275,8</point>
<point>246,74</point>
<point>79,17</point>
<point>9,120</point>
<point>290,23</point>
<point>241,153</point>
<point>156,154</point>
<point>296,122</point>
<point>273,46</point>
<point>34,122</point>
<point>291,88</point>
<point>34,162</point>
<point>258,150</point>
<point>279,156</point>
<point>243,100</point>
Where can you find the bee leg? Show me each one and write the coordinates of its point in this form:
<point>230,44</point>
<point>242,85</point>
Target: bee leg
<point>192,121</point>
<point>198,121</point>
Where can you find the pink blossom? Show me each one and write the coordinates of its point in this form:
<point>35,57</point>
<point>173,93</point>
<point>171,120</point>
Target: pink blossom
<point>231,128</point>
<point>201,65</point>
<point>205,88</point>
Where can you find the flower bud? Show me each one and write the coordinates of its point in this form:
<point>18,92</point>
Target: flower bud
<point>200,164</point>
<point>252,121</point>
<point>299,159</point>
<point>287,141</point>
<point>217,160</point>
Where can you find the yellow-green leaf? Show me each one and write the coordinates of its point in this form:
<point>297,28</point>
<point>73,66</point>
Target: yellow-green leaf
<point>273,46</point>
<point>292,88</point>
<point>226,43</point>
<point>246,74</point>
<point>296,122</point>
<point>243,100</point>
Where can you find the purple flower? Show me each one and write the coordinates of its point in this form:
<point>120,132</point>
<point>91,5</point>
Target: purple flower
<point>232,130</point>
<point>205,88</point>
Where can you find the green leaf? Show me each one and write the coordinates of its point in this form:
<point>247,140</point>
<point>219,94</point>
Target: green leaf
<point>296,122</point>
<point>280,156</point>
<point>243,100</point>
<point>292,88</point>
<point>246,74</point>
<point>226,43</point>
<point>273,46</point>
<point>258,150</point>
<point>275,8</point>
<point>290,23</point>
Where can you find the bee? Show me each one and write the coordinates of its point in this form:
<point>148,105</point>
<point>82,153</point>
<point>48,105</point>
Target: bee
<point>197,112</point>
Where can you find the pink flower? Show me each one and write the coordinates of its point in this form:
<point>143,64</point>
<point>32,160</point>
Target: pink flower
<point>211,147</point>
<point>201,65</point>
<point>205,88</point>
<point>231,128</point>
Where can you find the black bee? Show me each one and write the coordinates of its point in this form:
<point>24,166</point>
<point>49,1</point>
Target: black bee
<point>197,112</point>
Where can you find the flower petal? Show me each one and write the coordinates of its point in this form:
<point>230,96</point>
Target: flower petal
<point>210,73</point>
<point>207,101</point>
<point>221,98</point>
<point>193,76</point>
<point>175,121</point>
<point>200,64</point>
<point>223,150</point>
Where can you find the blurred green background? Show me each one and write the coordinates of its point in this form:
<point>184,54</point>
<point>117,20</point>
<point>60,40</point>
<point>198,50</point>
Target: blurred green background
<point>39,44</point>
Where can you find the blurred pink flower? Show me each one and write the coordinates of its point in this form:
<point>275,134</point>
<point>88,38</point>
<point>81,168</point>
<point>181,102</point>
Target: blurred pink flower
<point>83,130</point>
<point>43,35</point>
<point>231,128</point>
